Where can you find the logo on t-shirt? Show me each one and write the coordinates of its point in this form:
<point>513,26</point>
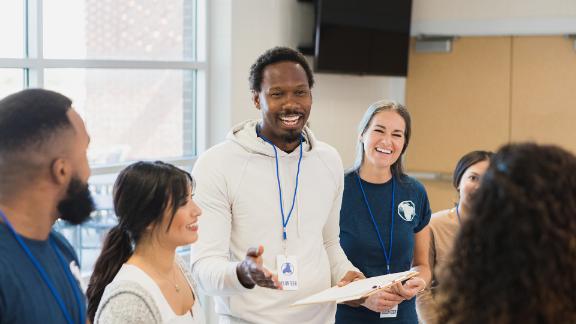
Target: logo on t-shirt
<point>407,210</point>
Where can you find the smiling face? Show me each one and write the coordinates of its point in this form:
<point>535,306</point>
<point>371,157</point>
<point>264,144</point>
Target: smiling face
<point>285,102</point>
<point>470,182</point>
<point>184,227</point>
<point>383,140</point>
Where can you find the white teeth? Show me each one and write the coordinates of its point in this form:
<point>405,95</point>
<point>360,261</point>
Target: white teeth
<point>381,150</point>
<point>290,120</point>
<point>189,226</point>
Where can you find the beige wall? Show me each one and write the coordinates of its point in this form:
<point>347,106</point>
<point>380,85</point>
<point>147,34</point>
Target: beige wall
<point>242,29</point>
<point>486,92</point>
<point>543,96</point>
<point>469,10</point>
<point>493,17</point>
<point>248,28</point>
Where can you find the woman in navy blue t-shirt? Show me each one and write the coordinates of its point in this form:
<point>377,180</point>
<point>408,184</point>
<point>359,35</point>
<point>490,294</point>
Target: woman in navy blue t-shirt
<point>384,217</point>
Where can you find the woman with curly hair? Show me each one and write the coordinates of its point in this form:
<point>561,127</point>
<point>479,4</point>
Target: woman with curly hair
<point>445,225</point>
<point>514,260</point>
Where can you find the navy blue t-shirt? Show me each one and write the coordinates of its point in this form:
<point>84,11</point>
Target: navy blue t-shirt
<point>24,296</point>
<point>360,241</point>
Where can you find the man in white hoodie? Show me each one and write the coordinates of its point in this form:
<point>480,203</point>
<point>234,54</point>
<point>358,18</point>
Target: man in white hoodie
<point>271,184</point>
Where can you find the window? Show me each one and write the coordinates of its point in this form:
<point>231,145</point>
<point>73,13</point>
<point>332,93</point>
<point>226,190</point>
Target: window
<point>12,28</point>
<point>11,81</point>
<point>135,70</point>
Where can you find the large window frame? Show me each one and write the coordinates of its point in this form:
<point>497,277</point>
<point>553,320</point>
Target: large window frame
<point>34,65</point>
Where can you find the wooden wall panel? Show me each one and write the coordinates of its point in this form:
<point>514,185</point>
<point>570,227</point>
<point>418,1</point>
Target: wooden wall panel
<point>544,90</point>
<point>459,101</point>
<point>441,194</point>
<point>486,92</point>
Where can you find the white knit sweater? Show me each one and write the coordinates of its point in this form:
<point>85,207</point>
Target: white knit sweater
<point>130,301</point>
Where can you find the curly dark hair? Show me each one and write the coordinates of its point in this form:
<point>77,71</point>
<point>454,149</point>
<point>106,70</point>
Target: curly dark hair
<point>514,260</point>
<point>275,55</point>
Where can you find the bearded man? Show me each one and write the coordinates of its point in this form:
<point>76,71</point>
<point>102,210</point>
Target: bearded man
<point>43,177</point>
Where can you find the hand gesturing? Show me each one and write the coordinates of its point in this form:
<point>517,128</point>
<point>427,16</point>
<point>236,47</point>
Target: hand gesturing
<point>251,271</point>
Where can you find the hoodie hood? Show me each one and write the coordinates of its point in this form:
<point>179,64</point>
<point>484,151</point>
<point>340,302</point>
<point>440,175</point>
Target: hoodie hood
<point>244,134</point>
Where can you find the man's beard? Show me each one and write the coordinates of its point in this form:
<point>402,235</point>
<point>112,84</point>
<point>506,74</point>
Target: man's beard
<point>77,206</point>
<point>292,136</point>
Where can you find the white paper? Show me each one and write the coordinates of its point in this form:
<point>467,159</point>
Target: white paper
<point>355,290</point>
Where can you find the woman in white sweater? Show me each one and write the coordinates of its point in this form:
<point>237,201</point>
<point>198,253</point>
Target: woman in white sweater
<point>138,278</point>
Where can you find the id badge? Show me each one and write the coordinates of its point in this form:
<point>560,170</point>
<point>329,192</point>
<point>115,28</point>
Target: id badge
<point>287,271</point>
<point>390,313</point>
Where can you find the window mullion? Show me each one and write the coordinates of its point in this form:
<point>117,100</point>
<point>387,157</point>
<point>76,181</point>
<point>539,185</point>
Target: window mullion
<point>34,42</point>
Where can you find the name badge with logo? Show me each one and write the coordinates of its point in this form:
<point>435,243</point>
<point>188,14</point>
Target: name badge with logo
<point>287,271</point>
<point>390,313</point>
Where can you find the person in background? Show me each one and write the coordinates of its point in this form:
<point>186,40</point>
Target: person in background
<point>271,183</point>
<point>514,259</point>
<point>384,217</point>
<point>148,283</point>
<point>445,224</point>
<point>43,177</point>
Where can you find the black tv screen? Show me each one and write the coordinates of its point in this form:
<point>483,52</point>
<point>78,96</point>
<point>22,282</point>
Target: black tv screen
<point>363,36</point>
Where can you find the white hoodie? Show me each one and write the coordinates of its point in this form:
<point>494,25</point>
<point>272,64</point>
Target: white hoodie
<point>237,189</point>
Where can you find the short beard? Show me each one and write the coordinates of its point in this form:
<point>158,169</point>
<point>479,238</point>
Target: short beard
<point>77,206</point>
<point>292,136</point>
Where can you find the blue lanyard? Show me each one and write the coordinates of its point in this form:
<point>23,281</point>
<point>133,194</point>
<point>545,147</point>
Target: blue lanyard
<point>388,255</point>
<point>45,277</point>
<point>284,218</point>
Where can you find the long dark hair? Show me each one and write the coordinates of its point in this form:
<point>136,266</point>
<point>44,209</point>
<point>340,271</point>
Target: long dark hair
<point>143,191</point>
<point>514,259</point>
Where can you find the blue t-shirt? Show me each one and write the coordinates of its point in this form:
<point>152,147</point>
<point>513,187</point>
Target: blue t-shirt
<point>360,241</point>
<point>24,296</point>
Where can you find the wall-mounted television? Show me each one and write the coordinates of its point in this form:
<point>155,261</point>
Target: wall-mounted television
<point>362,36</point>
